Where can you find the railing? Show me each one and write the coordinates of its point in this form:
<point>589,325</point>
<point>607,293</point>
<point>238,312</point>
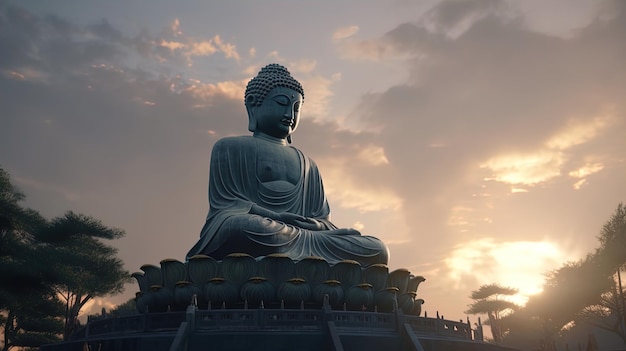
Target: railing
<point>440,327</point>
<point>277,318</point>
<point>368,320</point>
<point>218,319</point>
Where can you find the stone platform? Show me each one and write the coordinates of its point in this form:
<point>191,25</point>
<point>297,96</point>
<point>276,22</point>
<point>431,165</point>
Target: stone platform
<point>273,303</point>
<point>275,329</point>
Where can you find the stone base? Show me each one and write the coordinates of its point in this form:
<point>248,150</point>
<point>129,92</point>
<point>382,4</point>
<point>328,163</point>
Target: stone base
<point>274,330</point>
<point>241,281</point>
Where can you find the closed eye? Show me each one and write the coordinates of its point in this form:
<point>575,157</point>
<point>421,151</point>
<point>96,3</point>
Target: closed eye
<point>281,100</point>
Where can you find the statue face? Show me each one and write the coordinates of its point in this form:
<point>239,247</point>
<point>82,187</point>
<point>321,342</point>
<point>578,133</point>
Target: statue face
<point>279,114</point>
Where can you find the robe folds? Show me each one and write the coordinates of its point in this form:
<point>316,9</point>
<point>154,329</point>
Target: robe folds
<point>234,188</point>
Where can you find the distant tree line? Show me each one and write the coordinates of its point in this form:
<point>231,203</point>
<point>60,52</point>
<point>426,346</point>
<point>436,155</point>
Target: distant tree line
<point>579,295</point>
<point>49,270</point>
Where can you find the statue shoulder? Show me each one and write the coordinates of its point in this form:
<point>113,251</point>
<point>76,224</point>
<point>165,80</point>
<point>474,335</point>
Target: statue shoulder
<point>234,142</point>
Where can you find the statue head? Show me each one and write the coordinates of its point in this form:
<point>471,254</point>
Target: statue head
<point>270,79</point>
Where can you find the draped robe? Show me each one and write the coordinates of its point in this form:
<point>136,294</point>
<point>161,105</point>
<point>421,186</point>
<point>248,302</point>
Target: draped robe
<point>234,188</point>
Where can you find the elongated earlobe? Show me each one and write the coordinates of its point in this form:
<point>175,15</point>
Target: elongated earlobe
<point>289,138</point>
<point>250,100</point>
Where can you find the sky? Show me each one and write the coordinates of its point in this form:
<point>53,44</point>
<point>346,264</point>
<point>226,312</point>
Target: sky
<point>483,141</point>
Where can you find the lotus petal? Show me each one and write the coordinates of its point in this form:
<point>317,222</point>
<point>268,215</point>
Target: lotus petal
<point>153,274</point>
<point>277,268</point>
<point>219,291</point>
<point>257,290</point>
<point>406,302</point>
<point>173,271</point>
<point>183,295</point>
<point>376,275</point>
<point>385,299</point>
<point>314,270</point>
<point>414,282</point>
<point>399,279</point>
<point>360,297</point>
<point>201,268</point>
<point>348,272</point>
<point>417,307</point>
<point>237,268</point>
<point>142,280</point>
<point>294,291</point>
<point>333,289</point>
<point>162,299</point>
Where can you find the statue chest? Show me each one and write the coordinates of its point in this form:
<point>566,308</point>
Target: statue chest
<point>278,167</point>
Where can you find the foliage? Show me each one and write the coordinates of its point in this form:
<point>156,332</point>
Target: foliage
<point>606,314</point>
<point>489,300</point>
<point>50,269</point>
<point>87,267</point>
<point>28,306</point>
<point>582,293</point>
<point>612,250</point>
<point>33,321</point>
<point>128,308</point>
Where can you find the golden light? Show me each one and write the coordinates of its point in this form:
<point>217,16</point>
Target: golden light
<point>516,264</point>
<point>527,169</point>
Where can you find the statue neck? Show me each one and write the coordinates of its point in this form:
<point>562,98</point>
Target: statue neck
<point>263,136</point>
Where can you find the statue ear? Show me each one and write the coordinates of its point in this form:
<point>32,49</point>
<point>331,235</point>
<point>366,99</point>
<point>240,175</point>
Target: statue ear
<point>250,100</point>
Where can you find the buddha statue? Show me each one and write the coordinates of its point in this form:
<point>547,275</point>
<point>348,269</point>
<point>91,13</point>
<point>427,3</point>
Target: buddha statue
<point>266,196</point>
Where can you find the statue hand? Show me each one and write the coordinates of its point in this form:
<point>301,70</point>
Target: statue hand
<point>301,221</point>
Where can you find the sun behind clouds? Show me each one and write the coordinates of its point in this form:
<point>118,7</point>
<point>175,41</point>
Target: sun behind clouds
<point>517,264</point>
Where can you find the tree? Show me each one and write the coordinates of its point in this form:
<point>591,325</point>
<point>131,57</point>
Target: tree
<point>612,251</point>
<point>489,299</point>
<point>87,267</point>
<point>50,269</point>
<point>128,308</point>
<point>582,293</point>
<point>33,320</point>
<point>610,314</point>
<point>606,314</point>
<point>28,308</point>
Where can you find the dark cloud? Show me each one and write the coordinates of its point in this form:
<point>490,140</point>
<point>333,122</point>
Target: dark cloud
<point>496,87</point>
<point>84,130</point>
<point>102,122</point>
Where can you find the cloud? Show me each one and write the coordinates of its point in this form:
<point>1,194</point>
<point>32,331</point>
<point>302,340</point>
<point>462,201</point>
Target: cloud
<point>208,91</point>
<point>453,18</point>
<point>502,101</point>
<point>317,94</point>
<point>579,132</point>
<point>529,169</point>
<point>302,66</point>
<point>547,163</point>
<point>345,32</point>
<point>371,49</point>
<point>586,170</point>
<point>123,122</point>
<point>518,264</point>
<point>190,48</point>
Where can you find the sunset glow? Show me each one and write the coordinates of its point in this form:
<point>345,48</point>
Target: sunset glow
<point>482,141</point>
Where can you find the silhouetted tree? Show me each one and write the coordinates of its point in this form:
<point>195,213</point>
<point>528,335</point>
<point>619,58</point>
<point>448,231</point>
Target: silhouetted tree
<point>45,263</point>
<point>610,313</point>
<point>29,310</point>
<point>584,292</point>
<point>128,308</point>
<point>490,300</point>
<point>88,267</point>
<point>606,314</point>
